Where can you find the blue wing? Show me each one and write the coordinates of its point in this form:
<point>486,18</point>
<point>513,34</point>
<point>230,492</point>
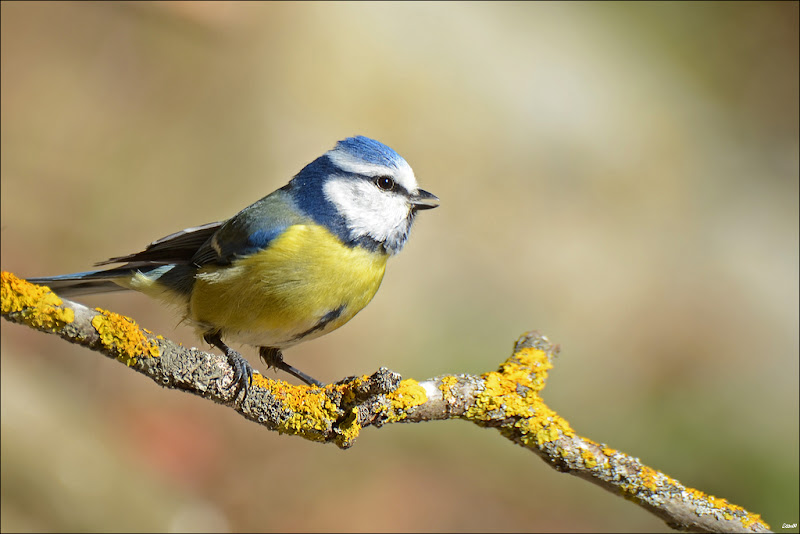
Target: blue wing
<point>251,230</point>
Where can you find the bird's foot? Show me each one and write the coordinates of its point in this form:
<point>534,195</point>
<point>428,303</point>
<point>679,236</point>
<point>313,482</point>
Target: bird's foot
<point>242,370</point>
<point>274,358</point>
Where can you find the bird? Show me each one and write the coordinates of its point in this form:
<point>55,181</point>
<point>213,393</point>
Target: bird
<point>293,266</point>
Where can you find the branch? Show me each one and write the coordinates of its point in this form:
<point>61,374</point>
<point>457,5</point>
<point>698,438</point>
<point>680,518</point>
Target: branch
<point>507,399</point>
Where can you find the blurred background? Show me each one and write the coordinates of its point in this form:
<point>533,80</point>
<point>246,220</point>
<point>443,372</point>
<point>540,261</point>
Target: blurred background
<point>620,176</point>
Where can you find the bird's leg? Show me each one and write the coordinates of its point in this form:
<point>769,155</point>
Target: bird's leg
<point>274,358</point>
<point>242,370</point>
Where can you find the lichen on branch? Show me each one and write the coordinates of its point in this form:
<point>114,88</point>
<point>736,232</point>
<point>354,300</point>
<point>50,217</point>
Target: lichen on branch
<point>508,399</point>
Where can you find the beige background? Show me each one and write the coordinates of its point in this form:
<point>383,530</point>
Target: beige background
<point>623,177</point>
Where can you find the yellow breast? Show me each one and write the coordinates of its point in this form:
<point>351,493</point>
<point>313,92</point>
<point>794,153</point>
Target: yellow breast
<point>304,284</point>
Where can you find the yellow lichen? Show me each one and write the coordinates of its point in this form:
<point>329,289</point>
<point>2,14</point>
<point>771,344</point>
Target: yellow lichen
<point>647,478</point>
<point>349,429</point>
<point>447,385</point>
<point>751,519</point>
<point>407,395</point>
<point>349,389</point>
<point>697,494</point>
<point>588,458</point>
<point>512,393</point>
<point>311,412</point>
<point>123,336</point>
<point>727,510</point>
<point>37,305</point>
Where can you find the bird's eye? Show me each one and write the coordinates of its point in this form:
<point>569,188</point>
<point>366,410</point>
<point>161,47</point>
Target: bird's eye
<point>385,182</point>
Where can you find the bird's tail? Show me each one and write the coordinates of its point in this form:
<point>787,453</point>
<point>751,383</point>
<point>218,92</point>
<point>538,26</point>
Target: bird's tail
<point>85,283</point>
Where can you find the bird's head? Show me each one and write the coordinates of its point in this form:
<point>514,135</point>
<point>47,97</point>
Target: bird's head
<point>363,191</point>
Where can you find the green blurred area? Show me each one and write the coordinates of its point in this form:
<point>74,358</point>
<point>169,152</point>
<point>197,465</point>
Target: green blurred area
<point>620,176</point>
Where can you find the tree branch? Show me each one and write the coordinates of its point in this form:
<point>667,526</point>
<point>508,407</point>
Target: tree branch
<point>507,399</point>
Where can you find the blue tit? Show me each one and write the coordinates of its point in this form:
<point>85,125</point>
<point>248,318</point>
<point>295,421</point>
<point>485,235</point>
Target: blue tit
<point>293,266</point>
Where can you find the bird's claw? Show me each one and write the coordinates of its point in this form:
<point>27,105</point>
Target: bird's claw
<point>242,370</point>
<point>274,358</point>
<point>242,373</point>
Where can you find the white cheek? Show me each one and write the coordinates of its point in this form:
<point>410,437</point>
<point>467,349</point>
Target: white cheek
<point>367,210</point>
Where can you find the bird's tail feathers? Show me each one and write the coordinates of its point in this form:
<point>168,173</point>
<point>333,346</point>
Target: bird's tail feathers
<point>85,283</point>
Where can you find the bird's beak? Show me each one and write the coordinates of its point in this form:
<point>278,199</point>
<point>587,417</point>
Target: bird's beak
<point>422,200</point>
